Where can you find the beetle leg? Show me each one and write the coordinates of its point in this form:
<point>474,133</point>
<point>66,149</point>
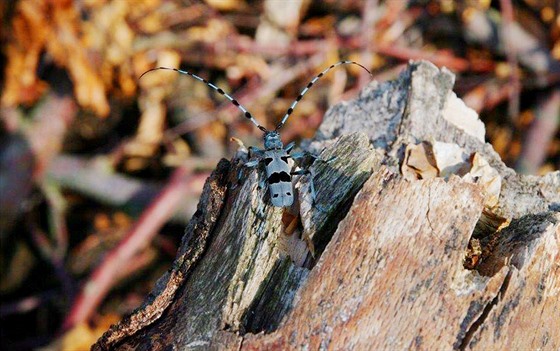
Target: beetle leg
<point>255,151</point>
<point>299,155</point>
<point>248,164</point>
<point>251,164</point>
<point>289,147</point>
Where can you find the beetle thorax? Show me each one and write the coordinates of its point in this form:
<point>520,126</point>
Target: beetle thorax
<point>272,140</point>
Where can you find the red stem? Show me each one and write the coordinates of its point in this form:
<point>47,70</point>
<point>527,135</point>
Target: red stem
<point>140,235</point>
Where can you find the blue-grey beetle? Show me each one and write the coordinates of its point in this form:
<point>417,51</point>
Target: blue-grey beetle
<point>274,156</point>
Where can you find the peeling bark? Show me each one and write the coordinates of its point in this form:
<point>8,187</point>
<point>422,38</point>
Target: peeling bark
<point>380,258</point>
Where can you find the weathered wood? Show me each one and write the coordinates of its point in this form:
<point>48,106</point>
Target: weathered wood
<point>393,279</point>
<point>525,316</point>
<point>380,270</point>
<point>391,276</point>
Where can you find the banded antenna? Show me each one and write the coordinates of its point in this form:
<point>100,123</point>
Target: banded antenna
<point>236,103</point>
<point>304,91</point>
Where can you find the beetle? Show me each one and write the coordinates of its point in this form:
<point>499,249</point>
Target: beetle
<point>274,156</point>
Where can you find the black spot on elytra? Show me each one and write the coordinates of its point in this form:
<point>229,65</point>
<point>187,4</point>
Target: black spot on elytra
<point>278,177</point>
<point>274,178</point>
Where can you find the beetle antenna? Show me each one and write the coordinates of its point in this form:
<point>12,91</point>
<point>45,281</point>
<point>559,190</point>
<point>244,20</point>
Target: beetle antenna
<point>304,91</point>
<point>236,103</point>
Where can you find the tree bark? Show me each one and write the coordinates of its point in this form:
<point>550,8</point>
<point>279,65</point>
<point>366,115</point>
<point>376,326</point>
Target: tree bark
<point>378,260</point>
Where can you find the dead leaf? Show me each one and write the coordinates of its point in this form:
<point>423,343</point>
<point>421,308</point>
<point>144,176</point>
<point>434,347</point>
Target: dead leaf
<point>419,162</point>
<point>488,178</point>
<point>226,5</point>
<point>97,51</point>
<point>450,159</point>
<point>79,338</point>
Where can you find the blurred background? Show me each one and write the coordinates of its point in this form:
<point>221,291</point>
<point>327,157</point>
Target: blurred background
<point>101,171</point>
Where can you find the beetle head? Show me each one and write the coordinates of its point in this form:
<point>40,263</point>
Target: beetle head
<point>272,140</point>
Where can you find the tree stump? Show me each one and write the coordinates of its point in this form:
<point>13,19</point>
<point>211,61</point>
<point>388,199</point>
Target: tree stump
<point>419,238</point>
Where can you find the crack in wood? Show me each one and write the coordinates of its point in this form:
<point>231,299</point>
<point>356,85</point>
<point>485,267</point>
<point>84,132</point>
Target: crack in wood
<point>475,326</point>
<point>428,213</point>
